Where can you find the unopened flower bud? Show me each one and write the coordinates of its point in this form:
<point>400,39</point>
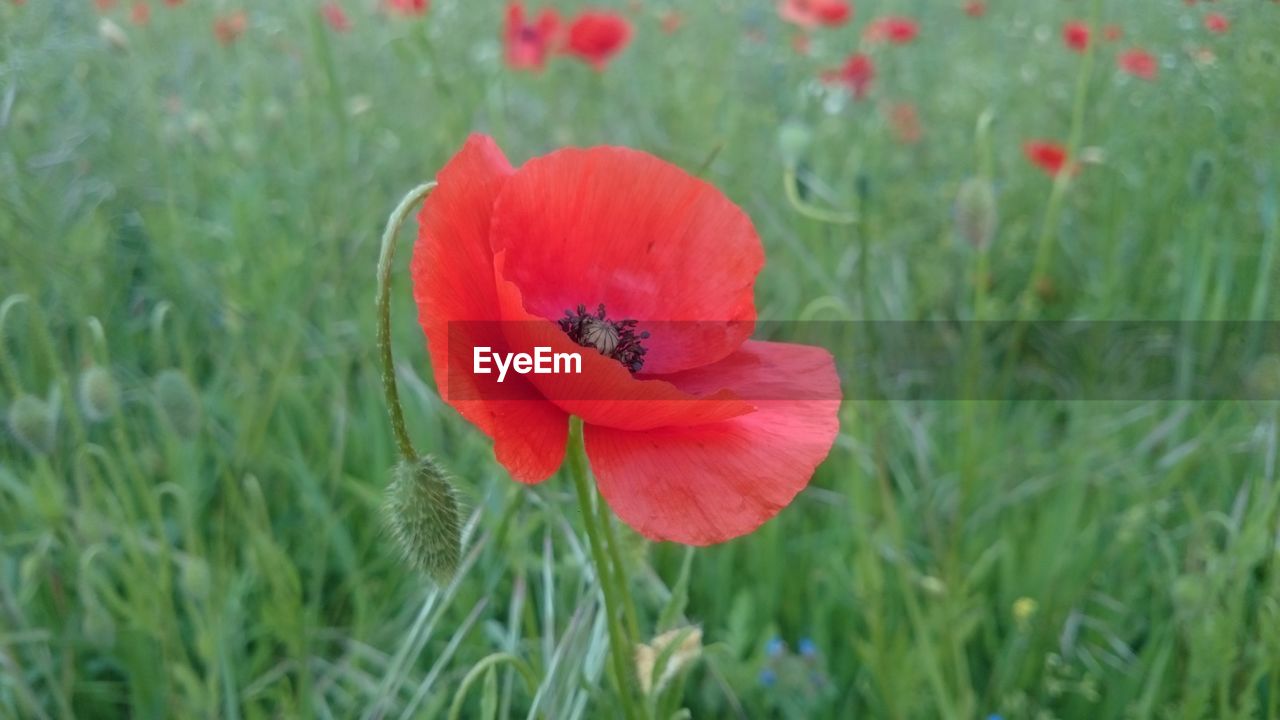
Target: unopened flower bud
<point>422,514</point>
<point>99,394</point>
<point>34,423</point>
<point>975,212</point>
<point>178,402</point>
<point>793,140</point>
<point>112,34</point>
<point>677,656</point>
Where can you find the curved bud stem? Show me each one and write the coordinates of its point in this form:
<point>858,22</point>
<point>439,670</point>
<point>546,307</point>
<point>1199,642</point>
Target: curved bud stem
<point>394,222</point>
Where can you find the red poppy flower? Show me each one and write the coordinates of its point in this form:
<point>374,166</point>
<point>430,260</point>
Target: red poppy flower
<point>905,122</point>
<point>856,74</point>
<point>335,16</point>
<point>104,5</point>
<point>228,28</point>
<point>140,14</point>
<point>801,43</point>
<point>529,44</point>
<point>814,13</point>
<point>1076,36</point>
<point>897,30</point>
<point>1139,62</point>
<point>1047,155</point>
<point>597,36</point>
<point>1112,33</point>
<point>409,7</point>
<point>671,21</point>
<point>173,3</point>
<point>1217,23</point>
<point>975,8</point>
<point>695,433</point>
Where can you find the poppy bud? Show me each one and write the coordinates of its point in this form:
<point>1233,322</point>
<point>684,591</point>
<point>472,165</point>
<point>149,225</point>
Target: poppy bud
<point>421,511</point>
<point>99,394</point>
<point>34,423</point>
<point>975,212</point>
<point>112,34</point>
<point>178,402</point>
<point>793,140</point>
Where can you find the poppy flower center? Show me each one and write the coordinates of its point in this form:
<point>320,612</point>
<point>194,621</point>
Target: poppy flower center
<point>616,339</point>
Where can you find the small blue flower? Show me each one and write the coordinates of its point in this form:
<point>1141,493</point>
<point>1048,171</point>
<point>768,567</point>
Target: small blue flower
<point>768,677</point>
<point>807,648</point>
<point>775,647</point>
<point>995,716</point>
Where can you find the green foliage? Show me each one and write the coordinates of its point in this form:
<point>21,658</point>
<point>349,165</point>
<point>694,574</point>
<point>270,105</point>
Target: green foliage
<point>212,547</point>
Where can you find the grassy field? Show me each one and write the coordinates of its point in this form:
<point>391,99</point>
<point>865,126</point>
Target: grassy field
<point>197,224</point>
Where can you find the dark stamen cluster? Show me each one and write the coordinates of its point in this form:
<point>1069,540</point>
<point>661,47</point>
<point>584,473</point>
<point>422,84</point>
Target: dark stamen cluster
<point>618,340</point>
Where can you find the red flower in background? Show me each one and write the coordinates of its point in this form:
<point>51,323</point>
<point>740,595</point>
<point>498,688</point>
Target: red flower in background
<point>905,122</point>
<point>529,44</point>
<point>815,13</point>
<point>671,21</point>
<point>173,3</point>
<point>229,28</point>
<point>1112,33</point>
<point>1217,23</point>
<point>104,5</point>
<point>1139,63</point>
<point>335,16</point>
<point>409,7</point>
<point>716,433</point>
<point>975,8</point>
<point>597,36</point>
<point>1076,36</point>
<point>1047,155</point>
<point>897,30</point>
<point>856,74</point>
<point>140,14</point>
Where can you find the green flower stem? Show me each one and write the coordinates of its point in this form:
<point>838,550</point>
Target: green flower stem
<point>619,649</point>
<point>394,223</point>
<point>622,585</point>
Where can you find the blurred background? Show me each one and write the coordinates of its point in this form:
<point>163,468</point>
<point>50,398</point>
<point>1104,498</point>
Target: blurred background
<point>191,197</point>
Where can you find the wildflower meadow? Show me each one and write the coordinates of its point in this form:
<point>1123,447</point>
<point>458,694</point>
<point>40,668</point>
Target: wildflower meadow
<point>641,359</point>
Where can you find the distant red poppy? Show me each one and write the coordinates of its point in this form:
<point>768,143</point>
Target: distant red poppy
<point>140,13</point>
<point>409,7</point>
<point>529,44</point>
<point>905,122</point>
<point>1139,63</point>
<point>1076,36</point>
<point>173,3</point>
<point>104,5</point>
<point>228,28</point>
<point>671,21</point>
<point>856,74</point>
<point>695,433</point>
<point>815,13</point>
<point>894,29</point>
<point>597,36</point>
<point>801,42</point>
<point>1217,23</point>
<point>1112,33</point>
<point>335,16</point>
<point>1047,155</point>
<point>975,8</point>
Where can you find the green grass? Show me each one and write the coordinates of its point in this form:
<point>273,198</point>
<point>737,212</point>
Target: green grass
<point>217,211</point>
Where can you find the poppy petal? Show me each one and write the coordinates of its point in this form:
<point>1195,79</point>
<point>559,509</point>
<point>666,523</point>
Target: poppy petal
<point>711,483</point>
<point>653,243</point>
<point>452,271</point>
<point>605,392</point>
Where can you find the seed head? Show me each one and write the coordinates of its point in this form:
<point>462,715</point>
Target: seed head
<point>34,423</point>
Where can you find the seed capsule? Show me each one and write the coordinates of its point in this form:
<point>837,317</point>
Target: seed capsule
<point>34,423</point>
<point>99,394</point>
